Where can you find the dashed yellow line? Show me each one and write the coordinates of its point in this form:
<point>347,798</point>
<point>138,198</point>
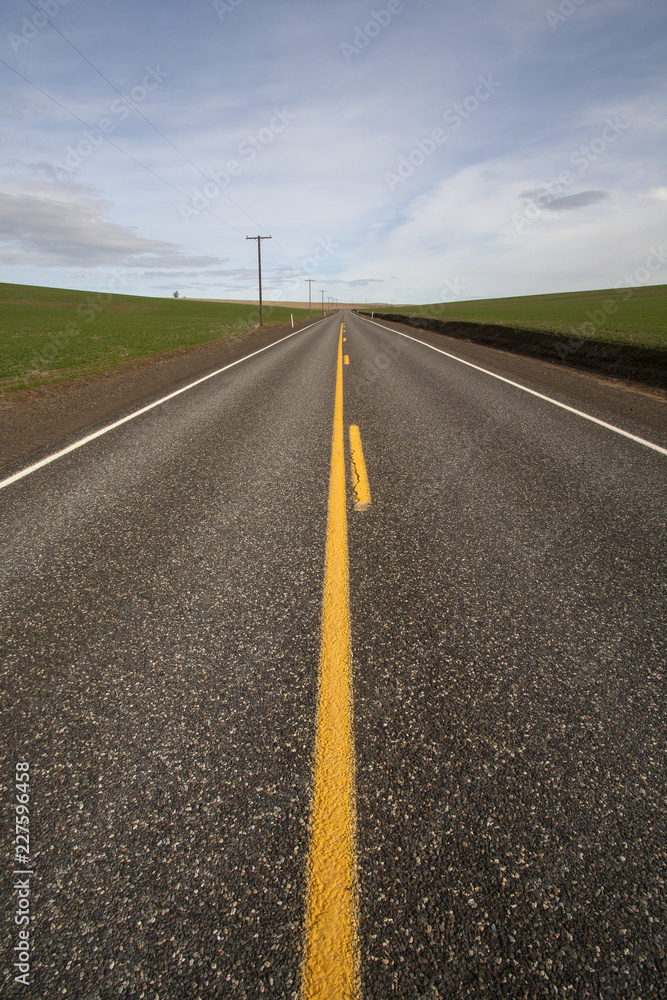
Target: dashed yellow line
<point>362,490</point>
<point>346,360</point>
<point>331,960</point>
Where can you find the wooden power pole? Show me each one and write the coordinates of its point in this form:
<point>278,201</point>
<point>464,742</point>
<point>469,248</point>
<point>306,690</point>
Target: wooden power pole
<point>310,294</point>
<point>259,264</point>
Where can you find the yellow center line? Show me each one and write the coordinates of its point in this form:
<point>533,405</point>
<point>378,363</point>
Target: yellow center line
<point>331,962</point>
<point>362,490</point>
<point>346,360</point>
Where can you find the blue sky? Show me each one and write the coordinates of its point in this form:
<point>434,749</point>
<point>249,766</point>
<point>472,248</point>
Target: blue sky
<point>405,151</point>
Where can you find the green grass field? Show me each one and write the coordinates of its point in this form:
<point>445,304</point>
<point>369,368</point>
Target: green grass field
<point>52,334</point>
<point>628,315</point>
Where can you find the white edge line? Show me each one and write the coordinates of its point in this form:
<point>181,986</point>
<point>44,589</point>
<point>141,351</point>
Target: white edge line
<point>144,409</point>
<point>501,378</point>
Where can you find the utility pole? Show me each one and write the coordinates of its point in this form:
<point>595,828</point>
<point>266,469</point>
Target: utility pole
<point>259,264</point>
<point>310,294</point>
<point>322,290</point>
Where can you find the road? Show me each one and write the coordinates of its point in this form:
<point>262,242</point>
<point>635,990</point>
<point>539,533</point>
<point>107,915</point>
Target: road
<point>161,616</point>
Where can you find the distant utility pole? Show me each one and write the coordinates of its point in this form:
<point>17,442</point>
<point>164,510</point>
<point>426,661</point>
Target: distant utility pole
<point>259,263</point>
<point>310,294</point>
<point>322,290</point>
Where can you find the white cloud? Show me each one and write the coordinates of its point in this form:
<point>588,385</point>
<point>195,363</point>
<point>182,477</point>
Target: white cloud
<point>446,230</point>
<point>460,242</point>
<point>60,225</point>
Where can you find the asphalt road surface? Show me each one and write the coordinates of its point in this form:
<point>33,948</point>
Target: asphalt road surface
<point>161,611</point>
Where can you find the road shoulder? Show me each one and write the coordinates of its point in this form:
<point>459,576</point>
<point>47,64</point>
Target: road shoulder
<point>33,421</point>
<point>639,408</point>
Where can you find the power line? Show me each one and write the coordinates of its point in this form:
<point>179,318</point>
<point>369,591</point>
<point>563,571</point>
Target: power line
<point>142,115</point>
<point>116,146</point>
<point>156,129</point>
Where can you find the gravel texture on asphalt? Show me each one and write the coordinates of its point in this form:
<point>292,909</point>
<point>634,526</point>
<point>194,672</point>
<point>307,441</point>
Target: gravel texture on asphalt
<point>160,621</point>
<point>160,626</point>
<point>507,595</point>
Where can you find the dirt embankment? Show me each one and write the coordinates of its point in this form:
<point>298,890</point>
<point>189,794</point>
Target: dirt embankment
<point>639,364</point>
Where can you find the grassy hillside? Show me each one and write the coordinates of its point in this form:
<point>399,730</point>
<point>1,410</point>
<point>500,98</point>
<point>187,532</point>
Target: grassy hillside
<point>626,315</point>
<point>50,334</point>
